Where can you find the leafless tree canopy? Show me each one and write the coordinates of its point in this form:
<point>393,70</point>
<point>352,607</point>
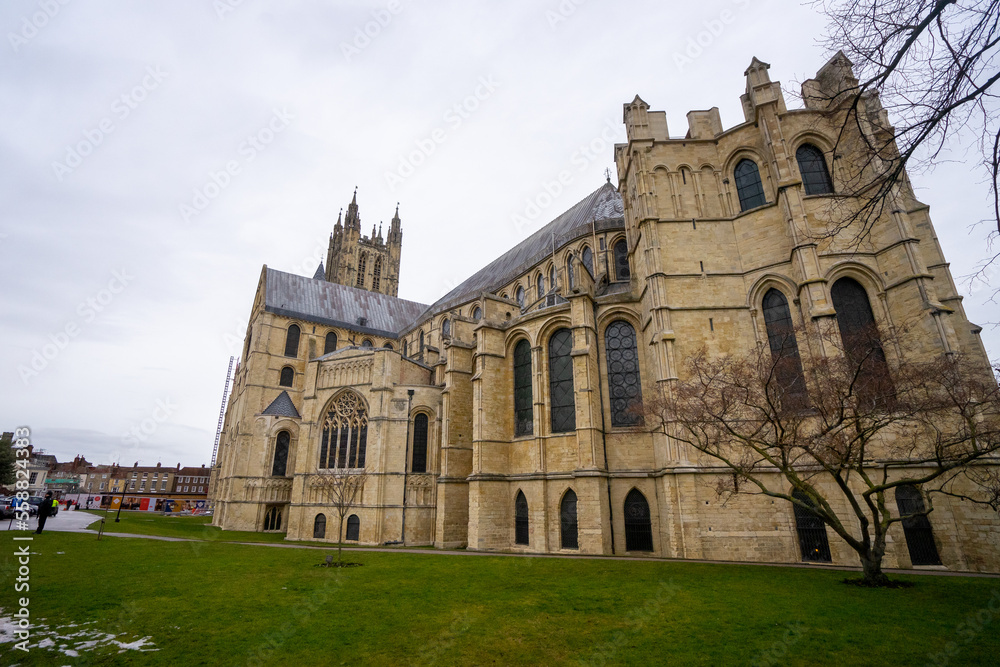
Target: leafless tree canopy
<point>860,431</point>
<point>934,65</point>
<point>342,488</point>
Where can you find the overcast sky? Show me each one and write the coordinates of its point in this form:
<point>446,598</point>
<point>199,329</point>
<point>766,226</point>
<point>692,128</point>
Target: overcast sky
<point>154,155</point>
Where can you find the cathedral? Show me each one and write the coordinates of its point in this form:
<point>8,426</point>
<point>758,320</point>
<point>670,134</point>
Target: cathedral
<point>507,416</point>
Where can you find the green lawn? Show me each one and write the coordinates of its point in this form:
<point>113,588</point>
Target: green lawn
<point>217,603</point>
<point>190,527</point>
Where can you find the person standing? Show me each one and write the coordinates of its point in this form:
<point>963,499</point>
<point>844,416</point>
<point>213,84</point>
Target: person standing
<point>45,511</point>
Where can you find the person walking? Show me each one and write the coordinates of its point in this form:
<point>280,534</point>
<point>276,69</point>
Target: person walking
<point>45,511</point>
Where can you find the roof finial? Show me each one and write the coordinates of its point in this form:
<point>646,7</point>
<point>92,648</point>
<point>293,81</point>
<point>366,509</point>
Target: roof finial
<point>607,173</point>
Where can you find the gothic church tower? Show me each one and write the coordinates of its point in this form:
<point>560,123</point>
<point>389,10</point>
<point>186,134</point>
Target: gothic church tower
<point>370,263</point>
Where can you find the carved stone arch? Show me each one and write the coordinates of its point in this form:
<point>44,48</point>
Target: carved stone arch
<point>513,337</point>
<point>755,296</point>
<point>740,153</point>
<point>867,276</point>
<point>618,313</point>
<point>814,138</point>
<point>550,327</point>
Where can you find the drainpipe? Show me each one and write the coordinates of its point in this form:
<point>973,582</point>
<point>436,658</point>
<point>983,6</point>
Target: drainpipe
<point>604,437</point>
<point>406,458</point>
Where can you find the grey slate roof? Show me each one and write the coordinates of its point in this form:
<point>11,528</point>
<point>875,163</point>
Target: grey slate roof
<point>604,206</point>
<point>320,272</point>
<point>282,407</point>
<point>322,302</point>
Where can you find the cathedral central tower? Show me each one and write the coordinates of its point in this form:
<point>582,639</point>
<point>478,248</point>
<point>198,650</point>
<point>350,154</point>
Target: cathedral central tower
<point>370,263</point>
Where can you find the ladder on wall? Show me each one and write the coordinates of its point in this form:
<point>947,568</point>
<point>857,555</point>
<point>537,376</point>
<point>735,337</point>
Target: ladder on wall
<point>222,411</point>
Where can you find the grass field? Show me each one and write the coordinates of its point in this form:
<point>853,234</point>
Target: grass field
<point>190,527</point>
<point>218,603</point>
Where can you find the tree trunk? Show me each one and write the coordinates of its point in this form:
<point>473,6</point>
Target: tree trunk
<point>340,540</point>
<point>871,563</point>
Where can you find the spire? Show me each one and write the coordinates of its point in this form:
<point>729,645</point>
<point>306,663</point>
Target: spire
<point>395,227</point>
<point>380,231</point>
<point>353,219</point>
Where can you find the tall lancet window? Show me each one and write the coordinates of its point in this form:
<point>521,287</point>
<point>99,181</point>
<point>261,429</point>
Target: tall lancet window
<point>377,274</point>
<point>362,262</point>
<point>345,433</point>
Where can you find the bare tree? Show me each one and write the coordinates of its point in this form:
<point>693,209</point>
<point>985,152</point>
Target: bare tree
<point>837,439</point>
<point>342,488</point>
<point>931,67</point>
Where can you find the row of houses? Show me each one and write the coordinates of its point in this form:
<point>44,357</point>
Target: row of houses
<point>145,487</point>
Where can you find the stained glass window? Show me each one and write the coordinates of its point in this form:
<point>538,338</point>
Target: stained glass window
<point>292,341</point>
<point>561,396</point>
<point>812,166</point>
<point>748,185</point>
<point>520,519</point>
<point>624,386</point>
<point>420,443</point>
<point>622,270</point>
<point>345,434</point>
<point>567,521</point>
<point>790,384</point>
<point>523,415</point>
<point>280,454</point>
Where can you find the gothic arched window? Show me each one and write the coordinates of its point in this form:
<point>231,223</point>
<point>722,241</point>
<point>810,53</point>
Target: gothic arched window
<point>367,343</point>
<point>540,285</point>
<point>331,343</point>
<point>292,341</point>
<point>748,185</point>
<point>812,166</point>
<point>387,346</point>
<point>917,527</point>
<point>272,518</point>
<point>622,270</point>
<point>588,259</point>
<point>561,396</point>
<point>345,433</point>
<point>570,278</point>
<point>567,521</point>
<point>377,274</point>
<point>362,261</point>
<point>523,415</point>
<point>446,327</point>
<point>246,350</point>
<point>420,443</point>
<point>353,528</point>
<point>811,530</point>
<point>319,526</point>
<point>862,343</point>
<point>520,519</point>
<point>477,313</point>
<point>638,526</point>
<point>624,386</point>
<point>287,376</point>
<point>519,296</point>
<point>280,454</point>
<point>552,278</point>
<point>791,384</point>
<point>421,342</point>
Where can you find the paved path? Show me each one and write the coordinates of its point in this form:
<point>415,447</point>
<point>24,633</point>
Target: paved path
<point>77,522</point>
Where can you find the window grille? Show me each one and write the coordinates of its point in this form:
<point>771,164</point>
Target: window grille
<point>561,395</point>
<point>624,385</point>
